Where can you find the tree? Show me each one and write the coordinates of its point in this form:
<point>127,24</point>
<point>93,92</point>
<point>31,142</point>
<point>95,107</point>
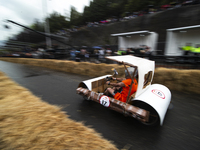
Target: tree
<point>114,9</point>
<point>75,16</point>
<point>86,14</point>
<point>38,26</point>
<point>29,36</point>
<point>57,22</point>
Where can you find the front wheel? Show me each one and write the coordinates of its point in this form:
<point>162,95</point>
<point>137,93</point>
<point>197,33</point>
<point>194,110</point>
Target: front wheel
<point>86,98</point>
<point>85,87</point>
<point>153,116</point>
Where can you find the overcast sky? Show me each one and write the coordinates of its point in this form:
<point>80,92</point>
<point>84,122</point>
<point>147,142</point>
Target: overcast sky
<point>26,11</point>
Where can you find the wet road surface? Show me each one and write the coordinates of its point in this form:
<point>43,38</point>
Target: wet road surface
<point>180,130</point>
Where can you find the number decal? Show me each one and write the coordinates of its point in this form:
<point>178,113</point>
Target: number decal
<point>158,93</point>
<point>105,101</point>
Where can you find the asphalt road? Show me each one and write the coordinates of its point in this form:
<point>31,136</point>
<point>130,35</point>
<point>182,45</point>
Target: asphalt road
<point>180,130</point>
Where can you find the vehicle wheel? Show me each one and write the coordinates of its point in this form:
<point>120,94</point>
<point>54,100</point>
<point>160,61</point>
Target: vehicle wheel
<point>153,116</point>
<point>85,97</point>
<point>170,106</point>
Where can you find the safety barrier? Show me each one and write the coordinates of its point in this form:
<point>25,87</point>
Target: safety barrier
<point>174,79</point>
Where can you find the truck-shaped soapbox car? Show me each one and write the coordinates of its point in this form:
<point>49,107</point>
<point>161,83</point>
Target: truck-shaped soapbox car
<point>148,104</point>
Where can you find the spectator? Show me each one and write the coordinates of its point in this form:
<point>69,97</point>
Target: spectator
<point>108,52</point>
<point>87,56</point>
<point>82,54</point>
<point>101,54</point>
<point>187,48</point>
<point>129,51</point>
<point>73,54</point>
<point>196,50</point>
<point>78,56</point>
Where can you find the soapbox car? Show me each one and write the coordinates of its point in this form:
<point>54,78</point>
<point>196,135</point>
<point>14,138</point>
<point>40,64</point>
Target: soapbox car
<point>148,104</point>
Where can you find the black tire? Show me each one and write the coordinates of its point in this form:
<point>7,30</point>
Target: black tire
<point>153,116</point>
<point>86,98</point>
<point>85,87</point>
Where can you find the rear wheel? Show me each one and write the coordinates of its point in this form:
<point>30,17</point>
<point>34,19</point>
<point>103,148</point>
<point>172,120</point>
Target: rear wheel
<point>153,116</point>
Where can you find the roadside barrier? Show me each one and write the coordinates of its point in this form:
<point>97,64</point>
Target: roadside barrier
<point>174,79</point>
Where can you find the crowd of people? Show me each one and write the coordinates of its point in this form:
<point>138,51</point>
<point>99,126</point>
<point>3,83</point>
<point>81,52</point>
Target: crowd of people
<point>151,9</point>
<point>98,54</point>
<point>93,55</point>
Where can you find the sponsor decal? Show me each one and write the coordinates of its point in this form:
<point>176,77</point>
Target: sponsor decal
<point>158,93</point>
<point>105,101</point>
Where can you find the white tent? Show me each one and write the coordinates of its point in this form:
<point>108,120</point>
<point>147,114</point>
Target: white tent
<point>178,37</point>
<point>135,39</point>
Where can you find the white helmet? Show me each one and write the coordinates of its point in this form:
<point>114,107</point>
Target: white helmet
<point>131,71</point>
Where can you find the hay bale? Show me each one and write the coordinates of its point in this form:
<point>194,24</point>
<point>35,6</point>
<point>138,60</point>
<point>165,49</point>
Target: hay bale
<point>180,80</point>
<point>174,79</point>
<point>47,64</point>
<point>26,122</point>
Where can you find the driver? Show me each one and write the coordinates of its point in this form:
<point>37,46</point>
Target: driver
<point>120,90</point>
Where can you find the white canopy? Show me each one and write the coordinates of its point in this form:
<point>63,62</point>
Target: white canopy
<point>143,65</point>
<point>136,39</point>
<point>183,28</point>
<point>179,37</point>
<point>131,33</point>
<point>133,60</point>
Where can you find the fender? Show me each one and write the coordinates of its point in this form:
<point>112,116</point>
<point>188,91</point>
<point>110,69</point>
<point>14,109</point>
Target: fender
<point>88,83</point>
<point>157,96</point>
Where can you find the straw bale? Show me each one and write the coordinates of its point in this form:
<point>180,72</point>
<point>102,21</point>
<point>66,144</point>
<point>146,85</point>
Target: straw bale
<point>84,68</point>
<point>51,64</point>
<point>35,62</point>
<point>26,122</point>
<point>62,66</point>
<point>45,63</point>
<point>180,80</point>
<point>174,79</point>
<point>70,66</point>
<point>24,61</point>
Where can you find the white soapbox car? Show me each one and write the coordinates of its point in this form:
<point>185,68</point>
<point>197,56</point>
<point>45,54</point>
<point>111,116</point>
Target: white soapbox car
<point>148,104</point>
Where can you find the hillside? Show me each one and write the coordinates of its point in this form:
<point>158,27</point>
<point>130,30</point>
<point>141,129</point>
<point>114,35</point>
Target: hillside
<point>156,22</point>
